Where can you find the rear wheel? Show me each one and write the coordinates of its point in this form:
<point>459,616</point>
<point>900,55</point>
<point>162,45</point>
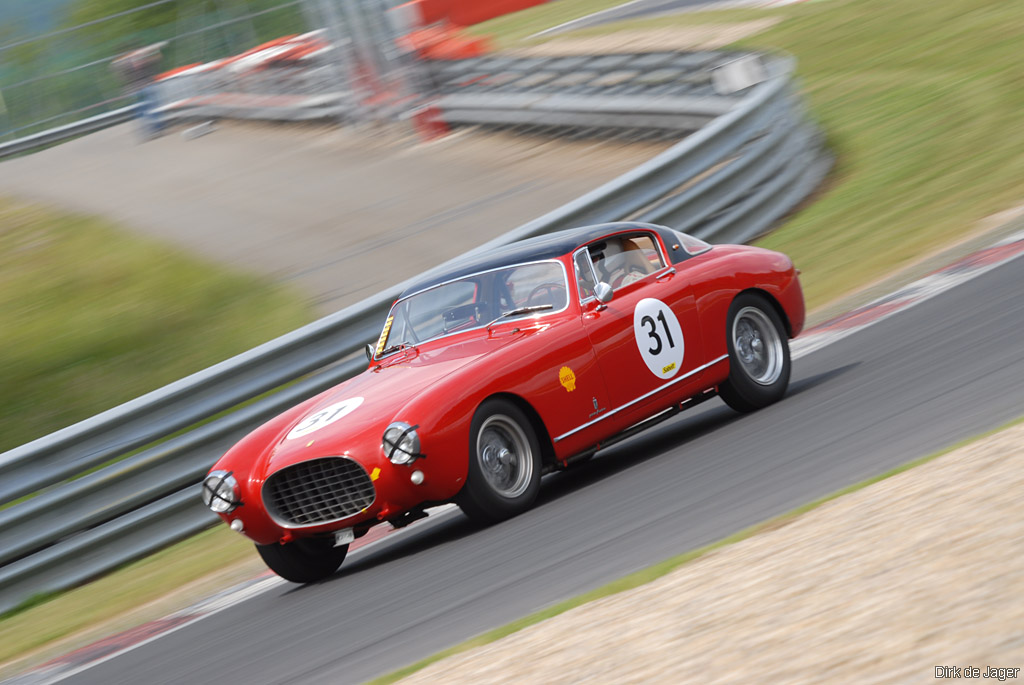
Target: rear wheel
<point>305,560</point>
<point>759,363</point>
<point>504,463</point>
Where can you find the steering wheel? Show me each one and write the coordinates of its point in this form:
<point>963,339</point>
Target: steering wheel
<point>626,276</point>
<point>552,289</point>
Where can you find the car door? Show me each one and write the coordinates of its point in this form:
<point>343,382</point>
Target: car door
<point>646,338</point>
<point>555,367</point>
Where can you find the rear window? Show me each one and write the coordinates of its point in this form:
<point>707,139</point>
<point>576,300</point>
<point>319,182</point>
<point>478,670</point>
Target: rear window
<point>693,246</point>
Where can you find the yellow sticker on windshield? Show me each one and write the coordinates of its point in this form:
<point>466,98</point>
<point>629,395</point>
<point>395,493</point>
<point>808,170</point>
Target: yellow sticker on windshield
<point>384,335</point>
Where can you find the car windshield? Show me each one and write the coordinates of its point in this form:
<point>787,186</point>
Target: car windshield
<point>474,301</point>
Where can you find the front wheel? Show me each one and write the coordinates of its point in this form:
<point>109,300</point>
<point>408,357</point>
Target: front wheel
<point>504,463</point>
<point>759,363</point>
<point>304,560</point>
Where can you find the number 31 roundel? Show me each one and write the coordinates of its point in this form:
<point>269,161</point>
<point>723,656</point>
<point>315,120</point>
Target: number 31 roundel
<point>659,337</point>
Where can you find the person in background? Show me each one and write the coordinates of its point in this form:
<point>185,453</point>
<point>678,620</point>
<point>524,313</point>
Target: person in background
<point>137,70</point>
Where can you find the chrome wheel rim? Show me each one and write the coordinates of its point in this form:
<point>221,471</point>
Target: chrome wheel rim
<point>505,456</point>
<point>758,345</point>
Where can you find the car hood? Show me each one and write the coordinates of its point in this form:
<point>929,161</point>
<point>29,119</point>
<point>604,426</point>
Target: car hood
<point>350,418</point>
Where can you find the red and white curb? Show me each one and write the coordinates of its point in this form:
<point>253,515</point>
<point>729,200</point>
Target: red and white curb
<point>935,283</point>
<point>109,648</point>
<point>820,336</point>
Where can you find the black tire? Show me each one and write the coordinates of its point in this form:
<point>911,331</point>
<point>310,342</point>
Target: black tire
<point>504,464</point>
<point>759,363</point>
<point>305,560</point>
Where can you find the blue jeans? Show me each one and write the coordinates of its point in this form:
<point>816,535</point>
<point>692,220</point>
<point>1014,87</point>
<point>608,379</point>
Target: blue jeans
<point>147,106</point>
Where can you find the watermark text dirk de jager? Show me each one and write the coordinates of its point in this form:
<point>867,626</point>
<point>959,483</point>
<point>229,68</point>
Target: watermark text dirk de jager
<point>958,672</point>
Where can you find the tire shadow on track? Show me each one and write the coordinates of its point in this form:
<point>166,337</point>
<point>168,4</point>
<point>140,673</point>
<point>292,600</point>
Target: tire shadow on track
<point>805,384</point>
<point>607,464</point>
<point>655,442</point>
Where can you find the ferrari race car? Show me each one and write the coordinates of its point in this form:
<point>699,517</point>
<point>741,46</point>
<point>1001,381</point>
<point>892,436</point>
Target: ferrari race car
<point>503,366</point>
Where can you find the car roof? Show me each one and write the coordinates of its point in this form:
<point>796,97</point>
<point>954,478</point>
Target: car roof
<point>541,247</point>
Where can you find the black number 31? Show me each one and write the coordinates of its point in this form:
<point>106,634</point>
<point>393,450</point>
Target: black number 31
<point>653,333</point>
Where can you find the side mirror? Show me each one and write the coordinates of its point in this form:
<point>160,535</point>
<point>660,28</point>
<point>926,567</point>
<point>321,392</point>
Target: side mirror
<point>603,292</point>
<point>369,352</point>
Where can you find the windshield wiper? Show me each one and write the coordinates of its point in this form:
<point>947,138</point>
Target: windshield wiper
<point>521,310</point>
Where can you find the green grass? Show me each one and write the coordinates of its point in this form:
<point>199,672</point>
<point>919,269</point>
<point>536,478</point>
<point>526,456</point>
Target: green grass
<point>93,317</point>
<point>920,101</point>
<point>651,573</point>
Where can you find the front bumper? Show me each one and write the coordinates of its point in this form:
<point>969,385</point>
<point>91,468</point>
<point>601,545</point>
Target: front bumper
<point>395,491</point>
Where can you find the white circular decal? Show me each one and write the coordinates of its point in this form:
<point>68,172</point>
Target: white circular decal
<point>659,337</point>
<point>324,417</point>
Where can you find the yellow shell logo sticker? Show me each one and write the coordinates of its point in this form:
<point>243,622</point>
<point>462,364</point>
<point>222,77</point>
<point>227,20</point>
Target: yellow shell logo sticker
<point>567,378</point>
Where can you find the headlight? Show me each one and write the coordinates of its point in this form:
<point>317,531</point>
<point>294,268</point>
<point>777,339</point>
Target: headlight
<point>401,443</point>
<point>220,491</point>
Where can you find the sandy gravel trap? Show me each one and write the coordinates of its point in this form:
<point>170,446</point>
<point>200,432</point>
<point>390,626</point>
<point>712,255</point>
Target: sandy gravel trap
<point>922,570</point>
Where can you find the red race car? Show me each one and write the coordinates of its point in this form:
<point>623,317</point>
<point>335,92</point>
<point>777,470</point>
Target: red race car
<point>502,367</point>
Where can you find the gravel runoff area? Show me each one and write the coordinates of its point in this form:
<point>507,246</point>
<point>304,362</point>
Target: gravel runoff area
<point>924,569</point>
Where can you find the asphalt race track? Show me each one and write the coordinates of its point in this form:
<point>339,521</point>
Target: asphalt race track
<point>919,381</point>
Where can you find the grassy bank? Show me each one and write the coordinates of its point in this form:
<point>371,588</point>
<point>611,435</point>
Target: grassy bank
<point>93,317</point>
<point>920,101</point>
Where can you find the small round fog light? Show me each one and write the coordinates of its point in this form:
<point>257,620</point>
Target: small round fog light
<point>416,477</point>
<point>237,525</point>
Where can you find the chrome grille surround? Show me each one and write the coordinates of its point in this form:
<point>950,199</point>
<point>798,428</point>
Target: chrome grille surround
<point>318,491</point>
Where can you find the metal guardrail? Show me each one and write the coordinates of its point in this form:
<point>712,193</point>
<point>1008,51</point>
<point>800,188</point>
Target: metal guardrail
<point>124,483</point>
<point>52,136</point>
<point>667,91</point>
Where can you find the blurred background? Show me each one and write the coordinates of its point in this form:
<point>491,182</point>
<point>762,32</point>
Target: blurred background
<point>126,264</point>
<point>62,73</point>
<point>56,55</point>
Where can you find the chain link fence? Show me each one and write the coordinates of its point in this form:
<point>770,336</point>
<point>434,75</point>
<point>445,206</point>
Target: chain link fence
<point>66,75</point>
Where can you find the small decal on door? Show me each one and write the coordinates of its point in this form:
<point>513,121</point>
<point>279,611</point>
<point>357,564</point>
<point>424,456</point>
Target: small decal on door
<point>567,378</point>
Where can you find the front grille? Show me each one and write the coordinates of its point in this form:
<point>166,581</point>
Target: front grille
<point>318,491</point>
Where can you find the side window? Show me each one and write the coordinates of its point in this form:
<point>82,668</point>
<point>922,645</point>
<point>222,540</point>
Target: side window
<point>584,274</point>
<point>648,249</point>
<point>621,261</point>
